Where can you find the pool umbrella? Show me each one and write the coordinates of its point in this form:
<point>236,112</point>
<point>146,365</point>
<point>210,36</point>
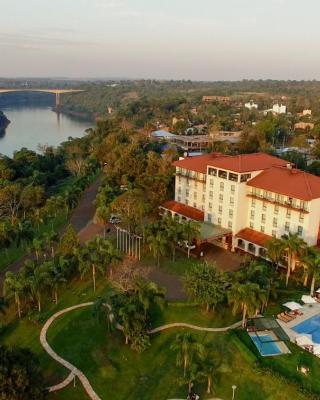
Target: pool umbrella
<point>292,305</point>
<point>308,299</point>
<point>304,340</point>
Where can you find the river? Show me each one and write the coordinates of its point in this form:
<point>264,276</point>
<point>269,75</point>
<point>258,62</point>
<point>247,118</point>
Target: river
<point>34,125</point>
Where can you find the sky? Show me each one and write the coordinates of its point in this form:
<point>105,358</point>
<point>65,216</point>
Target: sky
<point>164,39</point>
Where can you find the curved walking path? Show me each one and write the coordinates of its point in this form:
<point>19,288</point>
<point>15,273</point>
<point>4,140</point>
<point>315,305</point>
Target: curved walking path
<point>76,372</point>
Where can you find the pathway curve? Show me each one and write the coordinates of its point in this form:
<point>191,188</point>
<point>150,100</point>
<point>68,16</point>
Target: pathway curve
<point>76,372</point>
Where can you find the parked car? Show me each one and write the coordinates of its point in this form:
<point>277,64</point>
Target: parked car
<point>114,220</point>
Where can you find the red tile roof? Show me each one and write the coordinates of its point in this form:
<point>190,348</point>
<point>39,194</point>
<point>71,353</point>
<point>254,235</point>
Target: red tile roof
<point>182,209</point>
<point>240,163</point>
<point>289,182</point>
<point>253,236</point>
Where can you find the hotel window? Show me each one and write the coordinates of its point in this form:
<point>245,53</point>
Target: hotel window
<point>301,217</point>
<point>230,224</point>
<point>300,230</point>
<point>233,188</point>
<point>222,174</point>
<point>251,225</point>
<point>179,199</point>
<point>252,214</point>
<point>179,190</point>
<point>221,185</point>
<point>219,221</point>
<point>275,222</point>
<point>220,210</point>
<point>210,194</point>
<point>195,205</point>
<point>253,203</point>
<point>179,179</point>
<point>210,206</point>
<point>274,233</point>
<point>188,182</point>
<point>231,201</point>
<point>187,193</point>
<point>303,205</point>
<point>245,177</point>
<point>195,195</point>
<point>212,171</point>
<point>288,213</point>
<point>262,228</point>
<point>211,183</point>
<point>196,185</point>
<point>263,218</point>
<point>187,201</point>
<point>203,198</point>
<point>220,197</point>
<point>230,213</point>
<point>276,209</point>
<point>209,217</point>
<point>287,226</point>
<point>264,206</point>
<point>233,177</point>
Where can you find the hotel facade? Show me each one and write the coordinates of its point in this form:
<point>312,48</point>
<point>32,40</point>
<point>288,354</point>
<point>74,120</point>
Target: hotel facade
<point>242,201</point>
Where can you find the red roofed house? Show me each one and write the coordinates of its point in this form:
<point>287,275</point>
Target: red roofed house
<point>246,199</point>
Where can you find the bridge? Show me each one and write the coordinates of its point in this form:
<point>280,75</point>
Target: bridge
<point>56,92</point>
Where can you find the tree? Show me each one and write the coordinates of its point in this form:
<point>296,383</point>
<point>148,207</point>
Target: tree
<point>174,231</point>
<point>13,287</point>
<point>248,297</point>
<point>51,238</point>
<point>206,285</point>
<point>10,201</point>
<point>69,242</point>
<point>211,363</point>
<point>3,305</point>
<point>20,375</point>
<point>187,348</point>
<point>312,262</point>
<point>191,231</point>
<point>36,280</point>
<point>148,294</point>
<point>294,246</point>
<point>275,250</point>
<point>157,243</point>
<point>56,277</point>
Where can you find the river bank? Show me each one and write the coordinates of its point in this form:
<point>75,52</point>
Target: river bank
<point>4,122</point>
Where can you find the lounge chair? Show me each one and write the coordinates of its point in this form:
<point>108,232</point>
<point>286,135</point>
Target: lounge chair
<point>283,318</point>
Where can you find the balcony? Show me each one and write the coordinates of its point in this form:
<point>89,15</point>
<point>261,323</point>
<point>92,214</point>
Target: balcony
<point>191,176</point>
<point>286,204</point>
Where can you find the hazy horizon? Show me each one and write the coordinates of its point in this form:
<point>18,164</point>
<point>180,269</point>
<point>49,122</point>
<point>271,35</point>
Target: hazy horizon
<point>178,39</point>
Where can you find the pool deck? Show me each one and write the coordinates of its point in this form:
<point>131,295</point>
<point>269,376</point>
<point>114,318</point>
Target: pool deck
<point>309,311</point>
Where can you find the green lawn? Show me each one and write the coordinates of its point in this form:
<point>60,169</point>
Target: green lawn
<point>117,372</point>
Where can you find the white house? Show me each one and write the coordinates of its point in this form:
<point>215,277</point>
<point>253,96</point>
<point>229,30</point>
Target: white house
<point>243,201</point>
<point>251,105</point>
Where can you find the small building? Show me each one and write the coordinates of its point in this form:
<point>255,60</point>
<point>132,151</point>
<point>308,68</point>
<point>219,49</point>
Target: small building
<point>226,136</point>
<point>306,113</point>
<point>220,99</point>
<point>303,126</point>
<point>251,105</point>
<point>276,109</point>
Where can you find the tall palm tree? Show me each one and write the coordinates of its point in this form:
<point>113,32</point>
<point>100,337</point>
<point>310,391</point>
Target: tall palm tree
<point>90,261</point>
<point>37,246</point>
<point>55,277</point>
<point>210,365</point>
<point>174,231</point>
<point>51,238</point>
<point>248,297</point>
<point>13,287</point>
<point>275,250</point>
<point>312,263</point>
<point>191,230</point>
<point>149,293</point>
<point>295,247</point>
<point>36,282</point>
<point>187,348</point>
<point>158,243</point>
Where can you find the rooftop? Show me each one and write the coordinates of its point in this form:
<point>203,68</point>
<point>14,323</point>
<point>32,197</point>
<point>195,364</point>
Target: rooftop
<point>240,163</point>
<point>288,182</point>
<point>182,209</point>
<point>254,237</point>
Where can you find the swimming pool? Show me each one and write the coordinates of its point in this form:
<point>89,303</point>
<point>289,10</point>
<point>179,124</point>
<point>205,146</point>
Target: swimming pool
<point>266,349</point>
<point>310,326</point>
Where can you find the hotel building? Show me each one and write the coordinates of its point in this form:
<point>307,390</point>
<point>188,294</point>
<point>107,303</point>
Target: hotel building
<point>242,201</point>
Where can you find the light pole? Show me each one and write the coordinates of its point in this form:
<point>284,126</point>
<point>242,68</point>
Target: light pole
<point>234,387</point>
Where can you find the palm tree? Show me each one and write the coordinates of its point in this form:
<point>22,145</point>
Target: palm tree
<point>13,287</point>
<point>295,247</point>
<point>187,349</point>
<point>312,263</point>
<point>191,230</point>
<point>275,250</point>
<point>149,293</point>
<point>158,243</point>
<point>37,246</point>
<point>90,261</point>
<point>51,239</point>
<point>174,231</point>
<point>248,297</point>
<point>102,310</point>
<point>210,365</point>
<point>55,277</point>
<point>193,374</point>
<point>36,282</point>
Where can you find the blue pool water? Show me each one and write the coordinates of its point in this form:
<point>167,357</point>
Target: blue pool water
<point>266,349</point>
<point>310,326</point>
